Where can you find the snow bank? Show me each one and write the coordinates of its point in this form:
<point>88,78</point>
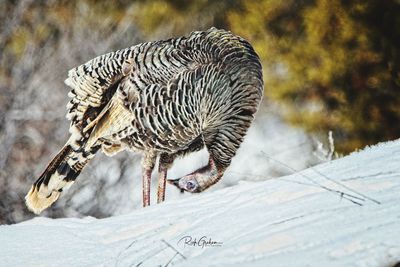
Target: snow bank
<point>341,213</point>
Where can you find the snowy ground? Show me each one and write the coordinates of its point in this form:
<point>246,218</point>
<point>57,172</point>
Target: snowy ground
<point>296,220</point>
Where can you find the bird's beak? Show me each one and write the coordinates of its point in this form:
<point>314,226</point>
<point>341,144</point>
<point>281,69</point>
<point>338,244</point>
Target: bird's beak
<point>176,183</point>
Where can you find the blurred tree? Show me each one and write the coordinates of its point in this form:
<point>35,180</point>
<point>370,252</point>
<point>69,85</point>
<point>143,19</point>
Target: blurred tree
<point>335,65</point>
<point>39,42</point>
<point>163,18</point>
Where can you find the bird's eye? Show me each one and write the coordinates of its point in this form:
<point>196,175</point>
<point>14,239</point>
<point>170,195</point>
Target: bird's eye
<point>190,185</point>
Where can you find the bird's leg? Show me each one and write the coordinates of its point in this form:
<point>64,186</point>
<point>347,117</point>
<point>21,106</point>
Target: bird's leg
<point>164,164</point>
<point>162,177</point>
<point>147,168</point>
<point>200,179</point>
<point>146,186</point>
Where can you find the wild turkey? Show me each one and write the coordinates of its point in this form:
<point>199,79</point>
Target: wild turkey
<point>164,99</point>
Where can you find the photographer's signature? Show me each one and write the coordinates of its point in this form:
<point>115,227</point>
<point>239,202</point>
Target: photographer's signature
<point>201,242</point>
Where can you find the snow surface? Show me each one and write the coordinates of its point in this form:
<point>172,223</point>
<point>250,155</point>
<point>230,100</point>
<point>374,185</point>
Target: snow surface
<point>296,220</point>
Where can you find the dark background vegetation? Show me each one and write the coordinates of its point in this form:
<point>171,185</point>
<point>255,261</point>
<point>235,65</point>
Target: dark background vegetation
<point>328,66</point>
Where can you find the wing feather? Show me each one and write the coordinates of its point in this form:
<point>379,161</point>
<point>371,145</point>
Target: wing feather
<point>93,85</point>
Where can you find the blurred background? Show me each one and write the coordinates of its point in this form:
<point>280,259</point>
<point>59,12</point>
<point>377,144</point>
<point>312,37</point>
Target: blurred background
<point>332,86</point>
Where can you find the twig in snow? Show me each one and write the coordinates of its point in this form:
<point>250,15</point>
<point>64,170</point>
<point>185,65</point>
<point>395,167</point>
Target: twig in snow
<point>326,154</point>
<point>345,186</point>
<point>177,251</point>
<point>352,198</point>
<point>125,249</point>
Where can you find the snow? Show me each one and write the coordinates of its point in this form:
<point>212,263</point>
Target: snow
<point>296,220</point>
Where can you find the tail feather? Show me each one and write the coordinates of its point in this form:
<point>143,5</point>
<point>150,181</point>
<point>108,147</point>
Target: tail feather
<point>58,175</point>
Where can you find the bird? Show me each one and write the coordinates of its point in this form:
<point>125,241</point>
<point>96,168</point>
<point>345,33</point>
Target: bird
<point>164,99</point>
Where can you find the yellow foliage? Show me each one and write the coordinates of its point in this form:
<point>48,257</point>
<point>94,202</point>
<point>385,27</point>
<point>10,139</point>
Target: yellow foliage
<point>330,62</point>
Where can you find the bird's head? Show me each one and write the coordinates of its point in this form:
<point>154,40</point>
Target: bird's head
<point>187,183</point>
